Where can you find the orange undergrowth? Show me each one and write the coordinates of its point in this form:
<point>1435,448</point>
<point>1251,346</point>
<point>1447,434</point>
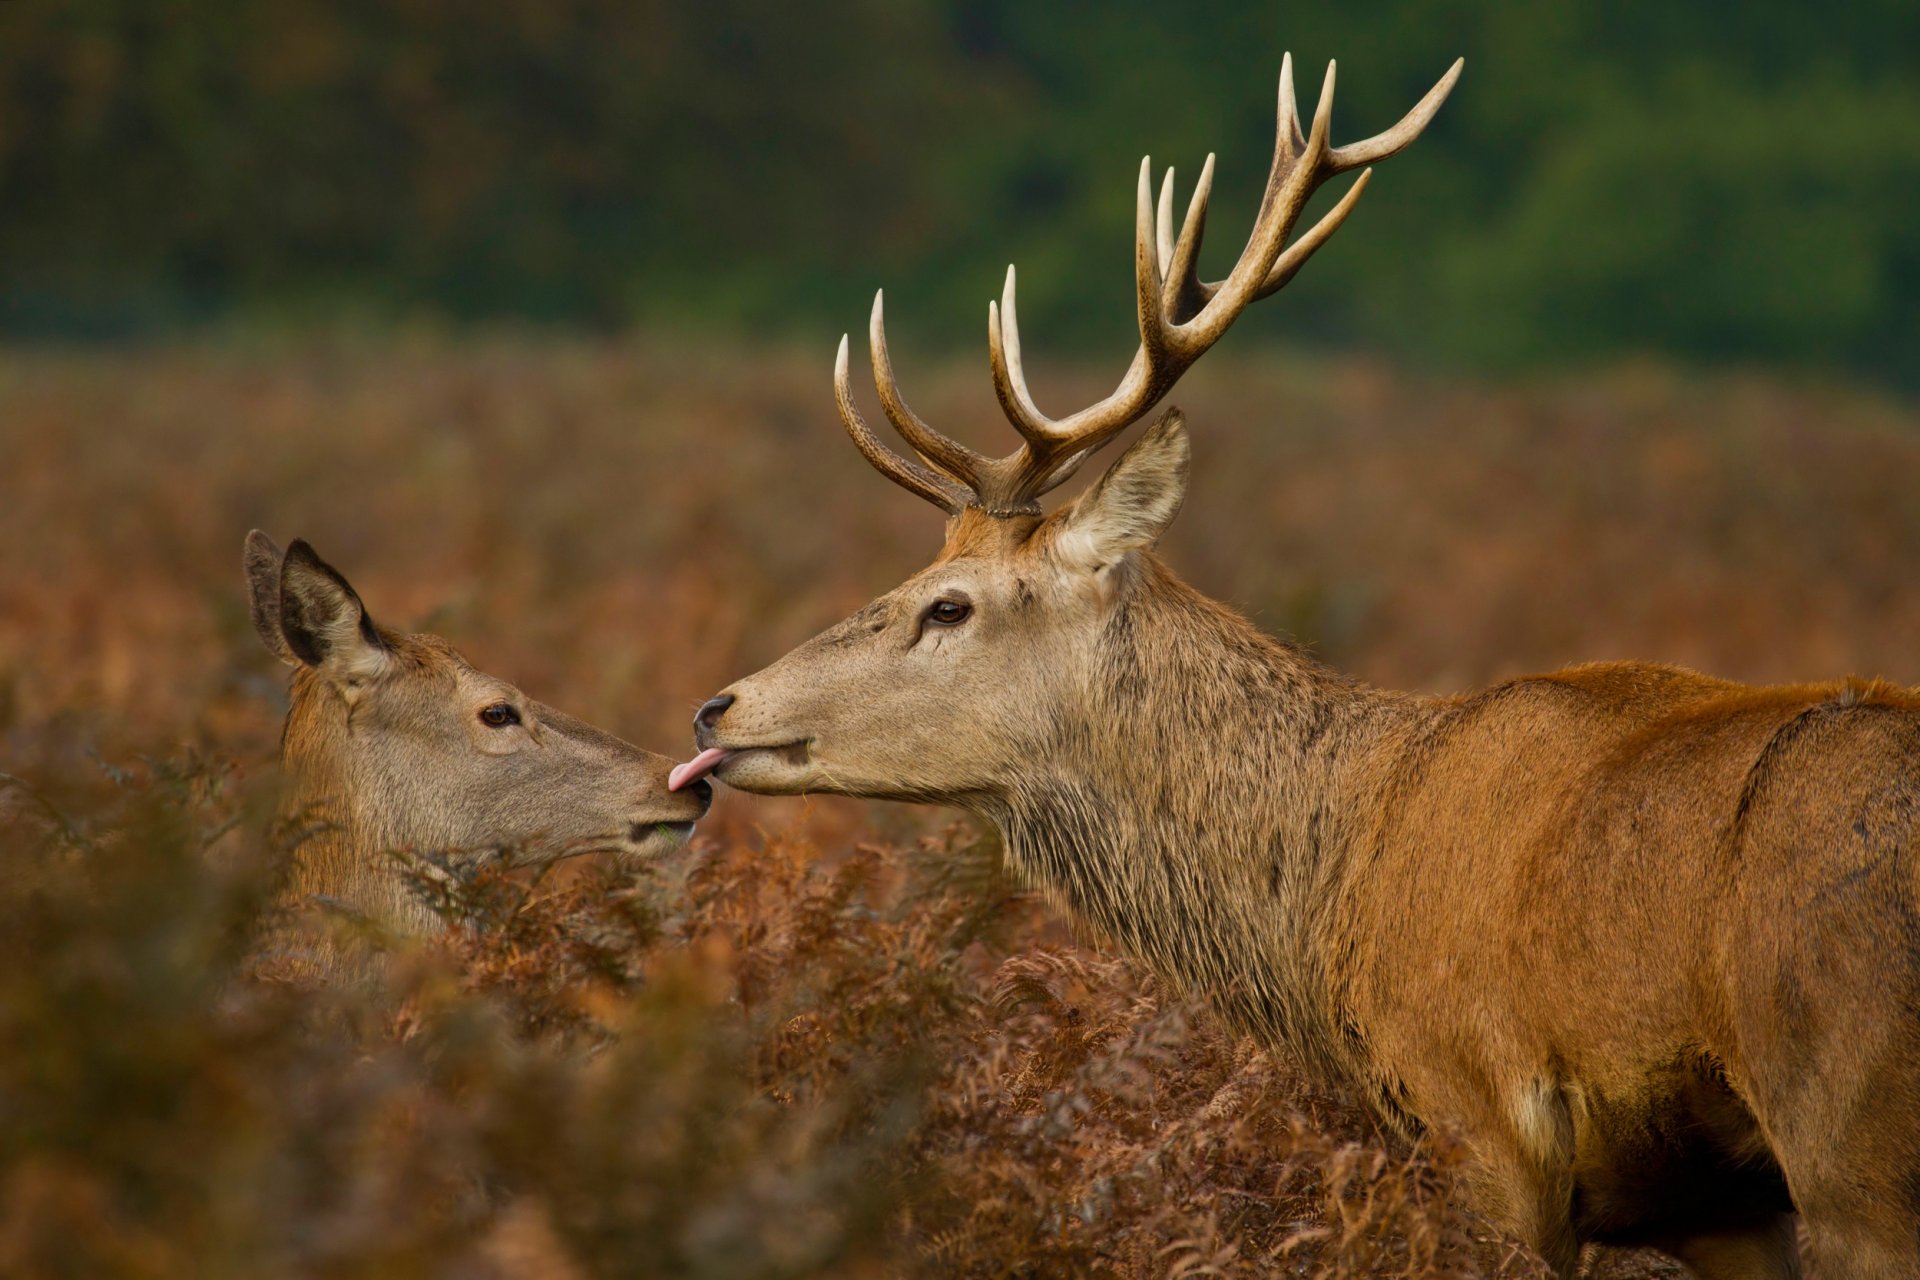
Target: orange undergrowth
<point>829,1040</point>
<point>754,1060</point>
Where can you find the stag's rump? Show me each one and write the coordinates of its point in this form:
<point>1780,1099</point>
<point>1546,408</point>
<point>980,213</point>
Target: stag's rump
<point>1821,943</point>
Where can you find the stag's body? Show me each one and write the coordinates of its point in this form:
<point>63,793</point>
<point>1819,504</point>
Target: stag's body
<point>1648,942</point>
<point>395,745</point>
<point>1645,938</point>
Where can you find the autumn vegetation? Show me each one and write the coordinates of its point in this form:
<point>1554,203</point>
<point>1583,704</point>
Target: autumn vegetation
<point>830,1039</point>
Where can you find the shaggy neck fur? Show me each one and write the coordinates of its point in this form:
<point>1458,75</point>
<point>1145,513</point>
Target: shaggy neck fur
<point>339,856</point>
<point>1204,837</point>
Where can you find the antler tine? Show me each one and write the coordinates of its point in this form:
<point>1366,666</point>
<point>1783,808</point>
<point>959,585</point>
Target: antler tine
<point>950,456</point>
<point>1009,376</point>
<point>1163,223</point>
<point>1287,126</point>
<point>939,490</point>
<point>1147,280</point>
<point>1398,138</point>
<point>1322,115</point>
<point>1183,288</point>
<point>1288,264</point>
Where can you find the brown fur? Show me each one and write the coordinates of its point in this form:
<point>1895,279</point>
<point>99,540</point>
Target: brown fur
<point>1648,940</point>
<point>385,751</point>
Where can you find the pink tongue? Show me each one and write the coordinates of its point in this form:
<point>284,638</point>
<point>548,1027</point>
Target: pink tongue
<point>685,775</point>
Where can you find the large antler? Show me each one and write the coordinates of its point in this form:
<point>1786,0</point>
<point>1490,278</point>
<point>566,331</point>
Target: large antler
<point>1181,316</point>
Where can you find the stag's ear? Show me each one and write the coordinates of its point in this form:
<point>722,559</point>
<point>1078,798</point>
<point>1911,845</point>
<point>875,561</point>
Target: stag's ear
<point>323,622</point>
<point>1133,503</point>
<point>262,561</point>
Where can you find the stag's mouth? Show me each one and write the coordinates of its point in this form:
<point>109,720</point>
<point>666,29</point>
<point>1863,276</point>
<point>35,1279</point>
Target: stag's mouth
<point>727,763</point>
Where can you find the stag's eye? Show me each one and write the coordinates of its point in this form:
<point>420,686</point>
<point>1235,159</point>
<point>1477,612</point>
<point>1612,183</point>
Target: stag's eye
<point>499,715</point>
<point>948,613</point>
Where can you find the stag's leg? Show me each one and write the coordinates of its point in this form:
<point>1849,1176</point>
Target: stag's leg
<point>1878,1241</point>
<point>1770,1251</point>
<point>1852,1159</point>
<point>1529,1192</point>
<point>1862,1251</point>
<point>1848,1139</point>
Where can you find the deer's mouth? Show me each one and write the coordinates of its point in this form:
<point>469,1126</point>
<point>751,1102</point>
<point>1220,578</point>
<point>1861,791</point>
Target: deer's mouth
<point>742,766</point>
<point>673,832</point>
<point>656,839</point>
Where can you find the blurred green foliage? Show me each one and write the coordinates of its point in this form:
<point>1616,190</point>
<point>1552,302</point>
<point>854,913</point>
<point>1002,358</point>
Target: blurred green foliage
<point>1679,176</point>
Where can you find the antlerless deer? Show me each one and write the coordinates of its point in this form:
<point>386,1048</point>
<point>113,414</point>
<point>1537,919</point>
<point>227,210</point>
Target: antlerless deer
<point>1647,940</point>
<point>394,743</point>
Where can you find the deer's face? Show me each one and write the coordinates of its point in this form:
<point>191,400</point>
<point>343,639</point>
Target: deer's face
<point>960,681</point>
<point>951,686</point>
<point>459,759</point>
<point>434,755</point>
<point>930,692</point>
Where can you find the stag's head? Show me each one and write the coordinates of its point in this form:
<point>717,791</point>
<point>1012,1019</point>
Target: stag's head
<point>422,751</point>
<point>951,686</point>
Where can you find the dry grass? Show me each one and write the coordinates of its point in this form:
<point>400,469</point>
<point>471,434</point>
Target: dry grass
<point>830,1041</point>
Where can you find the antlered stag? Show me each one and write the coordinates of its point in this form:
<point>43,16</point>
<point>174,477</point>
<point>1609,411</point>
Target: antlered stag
<point>1648,941</point>
<point>394,743</point>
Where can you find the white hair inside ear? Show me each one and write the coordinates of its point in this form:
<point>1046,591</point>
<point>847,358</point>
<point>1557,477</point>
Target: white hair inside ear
<point>1132,504</point>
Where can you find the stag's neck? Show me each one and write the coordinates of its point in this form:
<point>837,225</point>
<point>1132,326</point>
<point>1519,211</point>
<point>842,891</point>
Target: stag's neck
<point>339,845</point>
<point>1197,814</point>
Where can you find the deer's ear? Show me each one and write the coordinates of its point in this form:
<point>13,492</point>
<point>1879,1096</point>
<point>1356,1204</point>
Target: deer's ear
<point>1133,503</point>
<point>323,622</point>
<point>262,561</point>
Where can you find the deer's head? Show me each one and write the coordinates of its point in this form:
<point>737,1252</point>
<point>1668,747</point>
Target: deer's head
<point>954,684</point>
<point>425,752</point>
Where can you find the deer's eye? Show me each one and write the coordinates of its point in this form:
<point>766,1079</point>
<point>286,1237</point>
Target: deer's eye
<point>499,715</point>
<point>948,613</point>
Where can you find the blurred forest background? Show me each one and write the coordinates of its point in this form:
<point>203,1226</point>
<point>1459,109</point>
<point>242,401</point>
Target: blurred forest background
<point>522,312</point>
<point>1650,175</point>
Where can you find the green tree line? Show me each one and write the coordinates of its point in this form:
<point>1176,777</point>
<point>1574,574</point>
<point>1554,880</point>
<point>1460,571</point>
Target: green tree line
<point>1684,177</point>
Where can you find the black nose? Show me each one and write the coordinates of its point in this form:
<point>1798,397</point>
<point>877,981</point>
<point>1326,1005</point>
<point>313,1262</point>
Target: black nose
<point>703,790</point>
<point>711,711</point>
